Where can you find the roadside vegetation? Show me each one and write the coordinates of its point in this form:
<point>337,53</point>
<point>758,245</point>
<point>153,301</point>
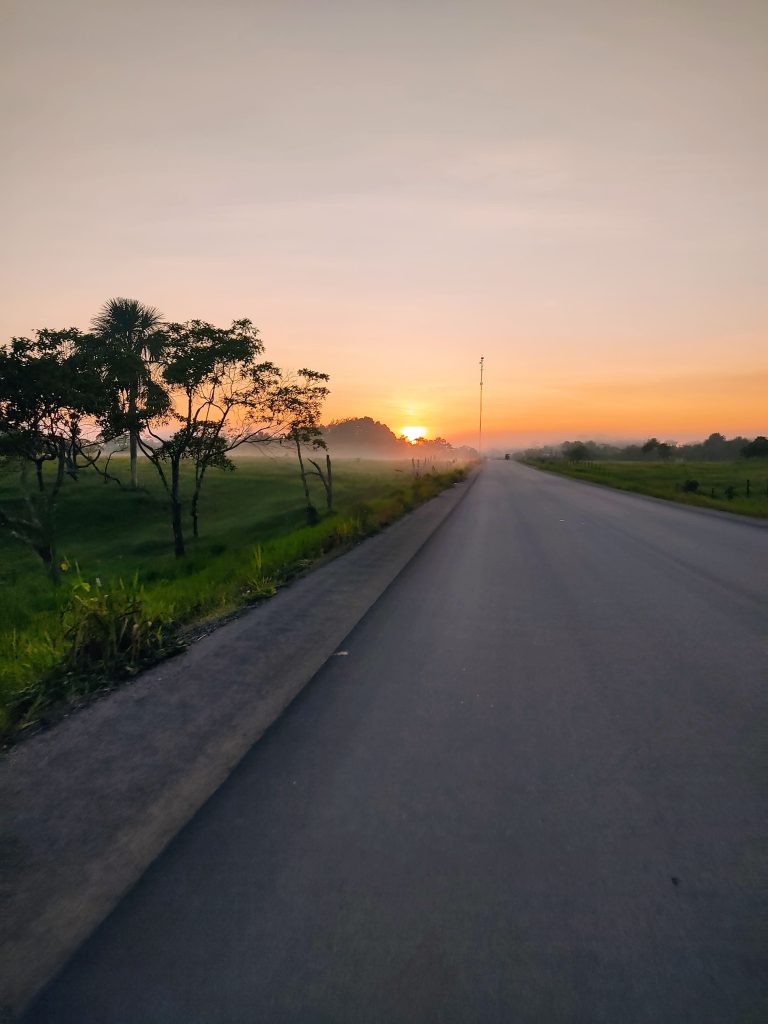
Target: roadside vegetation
<point>124,600</point>
<point>736,485</point>
<point>715,448</point>
<point>126,512</point>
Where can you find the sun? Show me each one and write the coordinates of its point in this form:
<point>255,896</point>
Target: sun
<point>413,433</point>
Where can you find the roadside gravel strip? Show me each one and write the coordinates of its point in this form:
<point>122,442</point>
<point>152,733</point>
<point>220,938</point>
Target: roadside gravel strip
<point>87,806</point>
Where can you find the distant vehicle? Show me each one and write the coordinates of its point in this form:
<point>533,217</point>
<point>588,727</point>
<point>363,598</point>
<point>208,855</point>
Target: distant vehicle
<point>506,458</point>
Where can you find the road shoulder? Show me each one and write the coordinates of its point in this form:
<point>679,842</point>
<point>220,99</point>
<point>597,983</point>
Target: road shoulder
<point>90,804</point>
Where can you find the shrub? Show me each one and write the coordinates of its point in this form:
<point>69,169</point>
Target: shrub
<point>105,634</point>
<point>108,631</point>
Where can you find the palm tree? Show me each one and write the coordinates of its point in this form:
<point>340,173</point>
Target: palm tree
<point>132,338</point>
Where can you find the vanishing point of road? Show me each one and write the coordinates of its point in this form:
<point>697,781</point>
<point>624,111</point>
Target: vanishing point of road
<point>529,790</point>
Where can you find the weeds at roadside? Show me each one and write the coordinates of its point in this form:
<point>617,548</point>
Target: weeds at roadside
<point>105,635</point>
<point>259,584</point>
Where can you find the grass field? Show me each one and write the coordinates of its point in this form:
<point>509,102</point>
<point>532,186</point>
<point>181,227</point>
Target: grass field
<point>668,479</point>
<point>125,600</point>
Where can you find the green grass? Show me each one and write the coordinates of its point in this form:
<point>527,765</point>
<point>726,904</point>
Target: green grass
<point>666,480</point>
<point>125,600</point>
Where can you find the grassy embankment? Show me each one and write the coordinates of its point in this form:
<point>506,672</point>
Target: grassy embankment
<point>721,485</point>
<point>125,601</point>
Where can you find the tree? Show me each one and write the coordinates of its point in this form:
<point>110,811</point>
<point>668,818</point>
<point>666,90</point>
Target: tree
<point>297,402</point>
<point>575,451</point>
<point>47,390</point>
<point>757,449</point>
<point>311,436</point>
<point>434,447</point>
<point>220,396</point>
<point>658,449</point>
<point>715,447</point>
<point>130,340</point>
<point>226,393</point>
<point>650,446</point>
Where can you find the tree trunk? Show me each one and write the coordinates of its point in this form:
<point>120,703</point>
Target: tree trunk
<point>133,437</point>
<point>36,533</point>
<point>178,530</point>
<point>50,559</point>
<point>44,535</point>
<point>134,461</point>
<point>196,504</point>
<point>326,478</point>
<point>39,474</point>
<point>176,520</point>
<point>303,473</point>
<point>72,467</point>
<point>329,484</point>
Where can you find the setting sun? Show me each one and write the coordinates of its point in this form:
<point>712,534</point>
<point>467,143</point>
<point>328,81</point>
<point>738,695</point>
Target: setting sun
<point>413,433</point>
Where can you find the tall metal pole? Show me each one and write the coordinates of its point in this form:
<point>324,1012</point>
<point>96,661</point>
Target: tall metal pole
<point>480,431</point>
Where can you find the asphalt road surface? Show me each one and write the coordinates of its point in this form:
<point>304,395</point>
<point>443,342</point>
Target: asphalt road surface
<point>531,790</point>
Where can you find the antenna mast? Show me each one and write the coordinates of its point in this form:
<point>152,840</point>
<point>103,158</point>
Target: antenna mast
<point>480,431</point>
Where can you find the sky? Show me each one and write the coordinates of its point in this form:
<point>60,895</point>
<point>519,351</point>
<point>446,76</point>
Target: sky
<point>576,190</point>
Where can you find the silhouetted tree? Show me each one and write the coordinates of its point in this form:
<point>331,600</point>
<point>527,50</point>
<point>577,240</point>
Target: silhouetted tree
<point>130,341</point>
<point>715,447</point>
<point>226,394</point>
<point>221,397</point>
<point>46,391</point>
<point>650,446</point>
<point>575,451</point>
<point>757,449</point>
<point>298,403</point>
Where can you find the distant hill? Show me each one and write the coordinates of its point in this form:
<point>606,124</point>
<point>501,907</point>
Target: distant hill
<point>365,438</point>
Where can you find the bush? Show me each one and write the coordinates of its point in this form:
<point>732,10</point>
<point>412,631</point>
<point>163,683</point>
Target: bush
<point>108,631</point>
<point>691,486</point>
<point>105,635</point>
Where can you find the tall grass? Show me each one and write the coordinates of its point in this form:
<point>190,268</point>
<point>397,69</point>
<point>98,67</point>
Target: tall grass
<point>103,633</point>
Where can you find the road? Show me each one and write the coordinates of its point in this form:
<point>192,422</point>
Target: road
<point>529,789</point>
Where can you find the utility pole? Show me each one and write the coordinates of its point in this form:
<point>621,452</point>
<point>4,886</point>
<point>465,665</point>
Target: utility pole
<point>480,431</point>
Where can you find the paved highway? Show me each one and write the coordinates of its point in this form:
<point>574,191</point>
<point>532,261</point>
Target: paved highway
<point>531,790</point>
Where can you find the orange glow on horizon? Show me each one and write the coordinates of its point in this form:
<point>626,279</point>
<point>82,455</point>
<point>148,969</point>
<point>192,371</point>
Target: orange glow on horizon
<point>621,403</point>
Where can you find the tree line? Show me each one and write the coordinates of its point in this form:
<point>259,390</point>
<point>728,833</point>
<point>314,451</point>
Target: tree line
<point>716,448</point>
<point>177,393</point>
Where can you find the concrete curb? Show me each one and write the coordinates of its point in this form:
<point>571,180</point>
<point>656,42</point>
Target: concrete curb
<point>90,804</point>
